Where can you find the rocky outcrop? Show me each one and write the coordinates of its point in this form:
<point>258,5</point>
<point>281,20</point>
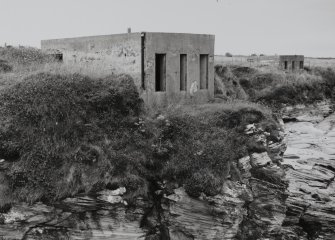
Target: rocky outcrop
<point>250,205</point>
<point>309,164</point>
<point>250,208</point>
<point>215,217</point>
<point>77,218</point>
<point>278,194</point>
<point>313,113</point>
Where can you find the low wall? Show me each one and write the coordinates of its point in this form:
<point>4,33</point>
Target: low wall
<point>119,53</point>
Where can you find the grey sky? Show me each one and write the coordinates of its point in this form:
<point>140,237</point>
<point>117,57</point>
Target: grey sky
<point>241,26</point>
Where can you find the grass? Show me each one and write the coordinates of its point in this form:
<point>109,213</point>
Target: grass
<point>16,64</point>
<point>24,56</point>
<point>274,87</point>
<point>55,123</point>
<point>65,133</point>
<point>70,134</point>
<point>5,66</point>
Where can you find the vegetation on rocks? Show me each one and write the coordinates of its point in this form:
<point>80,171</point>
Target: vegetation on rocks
<point>274,87</point>
<point>206,145</point>
<point>64,134</point>
<point>5,66</point>
<point>69,134</point>
<point>57,130</point>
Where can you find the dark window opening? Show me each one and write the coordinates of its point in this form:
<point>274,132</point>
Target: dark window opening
<point>183,72</point>
<point>142,60</point>
<point>301,64</point>
<point>293,65</point>
<point>57,57</point>
<point>160,72</point>
<point>203,71</point>
<point>285,65</point>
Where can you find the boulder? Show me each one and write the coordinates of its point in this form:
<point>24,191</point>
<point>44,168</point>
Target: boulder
<point>260,159</point>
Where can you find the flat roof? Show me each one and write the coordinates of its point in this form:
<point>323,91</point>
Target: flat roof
<point>291,55</point>
<point>132,33</point>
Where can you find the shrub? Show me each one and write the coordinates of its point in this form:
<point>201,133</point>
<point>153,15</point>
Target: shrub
<point>69,134</point>
<point>328,75</point>
<point>203,181</point>
<point>275,88</point>
<point>195,145</point>
<point>228,54</point>
<point>226,84</point>
<point>264,80</point>
<point>5,67</point>
<point>24,55</point>
<point>61,132</point>
<point>239,118</point>
<point>207,143</point>
<point>240,71</point>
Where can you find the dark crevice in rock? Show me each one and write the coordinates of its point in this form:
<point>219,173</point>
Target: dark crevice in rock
<point>152,219</point>
<point>312,228</point>
<point>330,181</point>
<point>327,166</point>
<point>289,119</point>
<point>244,228</point>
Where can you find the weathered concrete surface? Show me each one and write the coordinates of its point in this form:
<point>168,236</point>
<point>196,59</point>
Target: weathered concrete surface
<point>134,54</point>
<point>174,44</point>
<point>292,60</point>
<point>118,53</point>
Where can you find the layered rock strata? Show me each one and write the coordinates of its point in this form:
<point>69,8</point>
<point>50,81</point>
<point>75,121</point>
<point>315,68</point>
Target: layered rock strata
<point>274,197</point>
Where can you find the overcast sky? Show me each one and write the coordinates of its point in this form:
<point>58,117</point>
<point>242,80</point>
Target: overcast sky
<point>241,26</point>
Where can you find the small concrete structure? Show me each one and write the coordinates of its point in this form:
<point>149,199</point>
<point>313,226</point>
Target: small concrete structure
<point>291,62</point>
<point>164,66</point>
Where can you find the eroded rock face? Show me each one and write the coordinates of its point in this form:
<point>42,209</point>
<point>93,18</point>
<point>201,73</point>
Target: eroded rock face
<point>251,208</point>
<point>76,218</point>
<point>252,205</point>
<point>274,197</point>
<point>217,217</point>
<point>313,113</point>
<point>310,169</point>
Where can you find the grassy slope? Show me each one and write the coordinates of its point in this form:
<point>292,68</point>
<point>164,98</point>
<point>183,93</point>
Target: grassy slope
<point>56,126</point>
<point>65,133</point>
<point>275,87</point>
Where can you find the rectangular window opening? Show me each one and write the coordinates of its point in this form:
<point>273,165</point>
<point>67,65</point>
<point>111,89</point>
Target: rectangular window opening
<point>58,57</point>
<point>142,61</point>
<point>285,65</point>
<point>160,62</point>
<point>203,71</point>
<point>301,64</point>
<point>183,72</point>
<point>293,65</point>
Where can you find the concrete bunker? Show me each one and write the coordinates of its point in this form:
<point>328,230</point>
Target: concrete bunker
<point>291,62</point>
<point>163,65</point>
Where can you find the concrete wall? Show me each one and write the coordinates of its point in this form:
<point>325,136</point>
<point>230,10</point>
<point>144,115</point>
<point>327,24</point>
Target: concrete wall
<point>122,53</point>
<point>290,58</point>
<point>119,53</point>
<point>174,44</point>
